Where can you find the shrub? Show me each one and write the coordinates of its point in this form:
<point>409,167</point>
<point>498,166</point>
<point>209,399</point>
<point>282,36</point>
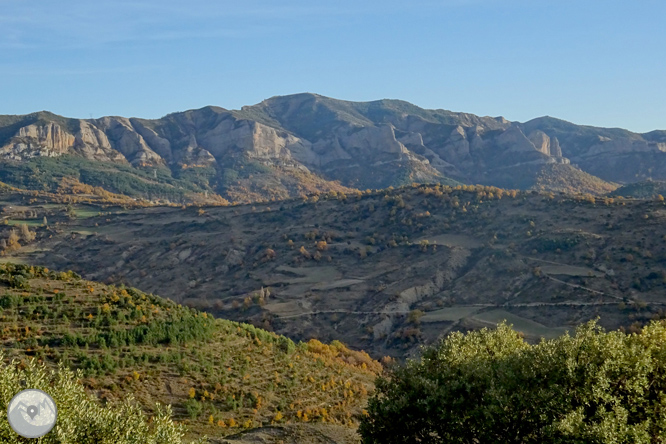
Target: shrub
<point>286,345</point>
<point>10,301</point>
<point>491,386</point>
<point>16,281</point>
<point>26,234</point>
<point>194,408</point>
<point>414,317</point>
<point>81,419</point>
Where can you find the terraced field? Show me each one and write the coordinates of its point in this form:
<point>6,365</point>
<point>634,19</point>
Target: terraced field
<point>222,377</point>
<point>360,267</point>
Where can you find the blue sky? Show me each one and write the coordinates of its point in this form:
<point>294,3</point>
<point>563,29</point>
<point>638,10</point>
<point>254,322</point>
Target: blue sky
<point>590,62</point>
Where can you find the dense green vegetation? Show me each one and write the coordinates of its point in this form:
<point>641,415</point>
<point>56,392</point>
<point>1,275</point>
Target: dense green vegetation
<point>81,418</point>
<point>220,376</point>
<point>46,173</point>
<point>490,386</point>
<point>203,177</point>
<point>122,317</point>
<point>242,168</point>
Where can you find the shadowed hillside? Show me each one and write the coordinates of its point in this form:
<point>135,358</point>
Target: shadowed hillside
<point>385,271</point>
<point>650,189</point>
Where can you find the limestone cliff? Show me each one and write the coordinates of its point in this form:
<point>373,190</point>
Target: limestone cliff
<point>47,139</point>
<point>368,144</point>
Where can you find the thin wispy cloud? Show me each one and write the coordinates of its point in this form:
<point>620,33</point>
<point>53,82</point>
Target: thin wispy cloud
<point>93,23</point>
<point>18,70</point>
<point>90,24</point>
<point>466,54</point>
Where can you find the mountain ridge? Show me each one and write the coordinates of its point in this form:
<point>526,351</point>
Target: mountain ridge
<point>304,143</point>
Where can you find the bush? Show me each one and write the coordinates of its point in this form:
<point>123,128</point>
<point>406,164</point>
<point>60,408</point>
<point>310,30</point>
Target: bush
<point>194,408</point>
<point>10,301</point>
<point>81,419</point>
<point>491,386</point>
<point>286,345</point>
<point>18,281</point>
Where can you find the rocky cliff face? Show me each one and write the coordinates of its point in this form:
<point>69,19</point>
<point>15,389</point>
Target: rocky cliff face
<point>92,143</point>
<point>361,144</point>
<point>48,139</point>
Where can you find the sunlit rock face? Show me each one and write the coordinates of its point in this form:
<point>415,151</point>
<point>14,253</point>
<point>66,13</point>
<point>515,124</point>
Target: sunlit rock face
<point>361,144</point>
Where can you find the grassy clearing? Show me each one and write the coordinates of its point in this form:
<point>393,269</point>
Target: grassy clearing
<point>85,213</point>
<point>342,283</point>
<point>310,274</point>
<point>570,270</point>
<point>84,232</point>
<point>13,260</point>
<point>449,314</point>
<point>452,240</point>
<point>525,326</point>
<point>28,222</point>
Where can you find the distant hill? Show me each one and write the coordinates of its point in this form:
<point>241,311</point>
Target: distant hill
<point>556,177</point>
<point>382,271</point>
<point>642,190</point>
<point>291,145</point>
<point>221,377</point>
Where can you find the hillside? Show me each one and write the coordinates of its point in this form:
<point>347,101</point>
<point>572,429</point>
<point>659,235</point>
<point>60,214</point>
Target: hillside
<point>220,376</point>
<point>650,189</point>
<point>383,271</point>
<point>148,184</point>
<point>554,177</point>
<point>295,145</point>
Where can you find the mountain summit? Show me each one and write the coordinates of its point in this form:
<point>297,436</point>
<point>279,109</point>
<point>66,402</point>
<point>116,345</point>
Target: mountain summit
<point>302,143</point>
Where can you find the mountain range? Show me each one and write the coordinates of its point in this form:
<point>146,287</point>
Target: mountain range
<point>286,146</point>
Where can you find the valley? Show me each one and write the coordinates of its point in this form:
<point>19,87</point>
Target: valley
<point>302,246</point>
<point>388,270</point>
<point>312,223</point>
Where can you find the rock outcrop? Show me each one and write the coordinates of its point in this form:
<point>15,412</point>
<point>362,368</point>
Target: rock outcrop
<point>541,142</point>
<point>92,143</point>
<point>360,144</point>
<point>47,139</point>
<point>555,149</point>
<point>126,140</point>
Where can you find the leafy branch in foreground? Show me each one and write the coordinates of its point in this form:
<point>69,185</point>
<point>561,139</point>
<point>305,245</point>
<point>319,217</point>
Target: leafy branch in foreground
<point>491,386</point>
<point>81,419</point>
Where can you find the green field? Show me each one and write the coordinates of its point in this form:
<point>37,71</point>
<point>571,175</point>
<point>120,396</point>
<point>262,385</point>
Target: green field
<point>450,314</point>
<point>86,212</point>
<point>526,326</point>
<point>28,222</point>
<point>84,232</point>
